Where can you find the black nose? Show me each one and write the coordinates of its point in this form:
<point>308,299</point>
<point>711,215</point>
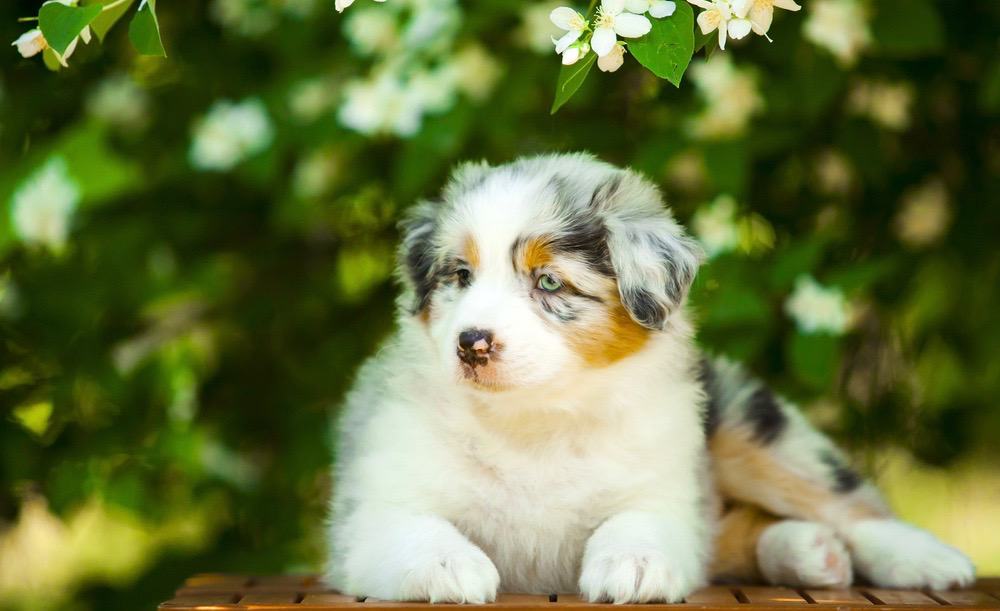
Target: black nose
<point>474,346</point>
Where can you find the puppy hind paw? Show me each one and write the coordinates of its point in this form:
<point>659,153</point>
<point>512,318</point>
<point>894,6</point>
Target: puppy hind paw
<point>803,554</point>
<point>893,554</point>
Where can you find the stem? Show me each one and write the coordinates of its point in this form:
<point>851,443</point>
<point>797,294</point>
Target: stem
<point>590,9</point>
<point>26,19</point>
<point>115,4</point>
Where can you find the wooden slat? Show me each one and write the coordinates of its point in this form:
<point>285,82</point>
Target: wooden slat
<point>713,595</point>
<point>269,598</point>
<point>759,595</point>
<point>902,597</point>
<point>200,602</point>
<point>522,599</point>
<point>839,597</point>
<point>966,598</point>
<point>326,600</point>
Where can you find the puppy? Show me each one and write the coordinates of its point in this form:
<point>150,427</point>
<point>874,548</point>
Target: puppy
<point>542,421</point>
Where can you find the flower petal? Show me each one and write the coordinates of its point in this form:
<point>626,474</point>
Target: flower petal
<point>760,16</point>
<point>788,5</point>
<point>738,28</point>
<point>741,7</point>
<point>340,5</point>
<point>567,39</point>
<point>662,8</point>
<point>705,4</point>
<point>563,17</point>
<point>571,56</point>
<point>709,20</point>
<point>637,6</point>
<point>722,36</point>
<point>603,41</point>
<point>612,7</point>
<point>612,61</point>
<point>632,26</point>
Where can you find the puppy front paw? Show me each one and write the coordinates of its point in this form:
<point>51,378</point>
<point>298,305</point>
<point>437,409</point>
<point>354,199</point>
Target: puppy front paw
<point>634,576</point>
<point>893,554</point>
<point>459,576</point>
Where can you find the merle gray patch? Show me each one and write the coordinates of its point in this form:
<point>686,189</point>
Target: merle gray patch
<point>765,416</point>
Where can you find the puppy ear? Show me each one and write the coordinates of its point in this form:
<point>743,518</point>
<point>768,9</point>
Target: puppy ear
<point>654,260</point>
<point>416,254</point>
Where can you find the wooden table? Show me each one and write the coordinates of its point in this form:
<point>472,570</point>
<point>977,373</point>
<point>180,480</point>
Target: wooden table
<point>304,592</point>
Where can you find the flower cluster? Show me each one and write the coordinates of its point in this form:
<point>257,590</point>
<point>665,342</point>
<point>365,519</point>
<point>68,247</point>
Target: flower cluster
<point>43,206</point>
<point>818,309</point>
<point>614,18</point>
<point>737,18</point>
<point>418,68</point>
<point>33,42</point>
<point>230,133</point>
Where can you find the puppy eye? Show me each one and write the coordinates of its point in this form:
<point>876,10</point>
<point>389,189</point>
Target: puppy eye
<point>548,283</point>
<point>464,276</point>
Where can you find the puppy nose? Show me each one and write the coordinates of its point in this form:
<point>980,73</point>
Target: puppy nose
<point>474,346</point>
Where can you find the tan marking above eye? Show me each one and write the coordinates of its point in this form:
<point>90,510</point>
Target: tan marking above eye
<point>470,252</point>
<point>533,253</point>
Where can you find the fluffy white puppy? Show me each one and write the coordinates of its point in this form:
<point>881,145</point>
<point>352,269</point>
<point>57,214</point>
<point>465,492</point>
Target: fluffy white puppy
<point>542,421</point>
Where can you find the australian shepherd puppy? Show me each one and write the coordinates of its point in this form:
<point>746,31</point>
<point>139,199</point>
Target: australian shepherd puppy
<point>542,421</point>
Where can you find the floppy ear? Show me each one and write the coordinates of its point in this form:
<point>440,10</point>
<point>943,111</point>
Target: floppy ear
<point>416,254</point>
<point>654,260</point>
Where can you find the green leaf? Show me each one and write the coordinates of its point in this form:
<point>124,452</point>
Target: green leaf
<point>107,19</point>
<point>668,47</point>
<point>144,31</point>
<point>570,79</point>
<point>51,60</point>
<point>60,24</point>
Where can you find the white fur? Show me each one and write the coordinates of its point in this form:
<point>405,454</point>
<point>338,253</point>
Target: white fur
<point>568,469</point>
<point>803,554</point>
<point>897,555</point>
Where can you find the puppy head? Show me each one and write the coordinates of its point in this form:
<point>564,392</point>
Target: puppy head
<point>543,268</point>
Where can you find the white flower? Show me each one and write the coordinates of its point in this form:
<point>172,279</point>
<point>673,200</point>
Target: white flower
<point>475,71</point>
<point>382,104</point>
<point>716,16</point>
<point>43,206</point>
<point>310,98</point>
<point>118,101</point>
<point>613,21</point>
<point>816,308</point>
<point>537,30</point>
<point>924,215</point>
<point>612,61</point>
<point>229,133</point>
<point>762,12</point>
<point>340,5</point>
<point>573,54</point>
<point>888,104</point>
<point>730,95</point>
<point>833,173</point>
<point>840,27</point>
<point>372,30</point>
<point>30,43</point>
<point>656,8</point>
<point>572,22</point>
<point>716,227</point>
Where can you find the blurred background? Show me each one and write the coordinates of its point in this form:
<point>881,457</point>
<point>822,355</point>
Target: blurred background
<point>196,254</point>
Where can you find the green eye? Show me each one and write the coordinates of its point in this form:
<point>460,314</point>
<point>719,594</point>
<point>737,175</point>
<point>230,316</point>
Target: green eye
<point>549,283</point>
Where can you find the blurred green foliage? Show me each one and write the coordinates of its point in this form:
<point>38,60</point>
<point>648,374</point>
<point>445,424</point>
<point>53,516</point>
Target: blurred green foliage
<point>170,358</point>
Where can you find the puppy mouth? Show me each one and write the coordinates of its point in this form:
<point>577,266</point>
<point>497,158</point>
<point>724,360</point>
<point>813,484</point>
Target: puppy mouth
<point>482,375</point>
